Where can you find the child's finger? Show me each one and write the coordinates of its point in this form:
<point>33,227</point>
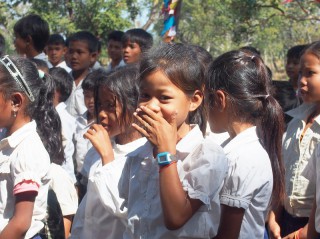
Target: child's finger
<point>141,130</point>
<point>141,120</point>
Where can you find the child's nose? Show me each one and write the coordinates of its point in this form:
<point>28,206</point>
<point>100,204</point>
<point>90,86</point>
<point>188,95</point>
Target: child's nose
<point>153,105</point>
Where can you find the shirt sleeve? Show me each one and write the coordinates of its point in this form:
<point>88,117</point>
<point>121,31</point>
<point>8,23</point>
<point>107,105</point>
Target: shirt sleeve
<point>245,179</point>
<point>203,172</point>
<point>29,165</point>
<point>106,181</point>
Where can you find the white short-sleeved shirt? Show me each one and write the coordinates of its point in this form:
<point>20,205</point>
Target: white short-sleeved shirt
<point>63,65</point>
<point>81,144</point>
<point>202,167</point>
<point>64,188</point>
<point>299,190</point>
<point>23,158</point>
<point>312,173</point>
<point>103,217</point>
<point>44,58</point>
<point>68,125</point>
<point>75,102</point>
<point>109,67</point>
<point>249,182</point>
<point>91,157</point>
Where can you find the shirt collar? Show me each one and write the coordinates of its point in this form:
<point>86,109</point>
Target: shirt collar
<point>61,106</point>
<point>302,111</point>
<point>19,135</point>
<point>244,137</point>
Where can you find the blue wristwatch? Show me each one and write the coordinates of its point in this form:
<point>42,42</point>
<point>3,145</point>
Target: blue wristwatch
<point>165,158</point>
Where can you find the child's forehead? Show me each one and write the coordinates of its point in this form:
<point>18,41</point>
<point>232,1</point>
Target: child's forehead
<point>80,44</point>
<point>56,44</point>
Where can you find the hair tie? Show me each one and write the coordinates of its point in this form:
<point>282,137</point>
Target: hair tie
<point>41,74</point>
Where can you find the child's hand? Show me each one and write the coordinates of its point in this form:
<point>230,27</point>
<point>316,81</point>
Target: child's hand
<point>161,133</point>
<point>100,140</point>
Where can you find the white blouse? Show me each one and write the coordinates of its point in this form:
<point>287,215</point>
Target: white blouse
<point>99,214</point>
<point>249,182</point>
<point>23,157</point>
<point>202,167</point>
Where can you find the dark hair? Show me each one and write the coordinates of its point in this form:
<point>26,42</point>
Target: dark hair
<point>139,36</point>
<point>56,39</point>
<point>63,82</point>
<point>244,78</point>
<point>40,64</point>
<point>41,109</point>
<point>2,45</point>
<point>35,27</point>
<point>313,48</point>
<point>123,83</point>
<point>115,36</point>
<point>250,49</point>
<point>184,70</point>
<point>296,51</point>
<point>89,81</point>
<point>203,56</point>
<point>85,36</point>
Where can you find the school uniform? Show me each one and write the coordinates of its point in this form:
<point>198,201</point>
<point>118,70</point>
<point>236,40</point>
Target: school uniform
<point>68,124</point>
<point>64,188</point>
<point>249,182</point>
<point>75,102</point>
<point>311,172</point>
<point>82,145</point>
<point>64,65</point>
<point>24,167</point>
<point>201,166</point>
<point>101,207</point>
<point>296,155</point>
<point>110,68</point>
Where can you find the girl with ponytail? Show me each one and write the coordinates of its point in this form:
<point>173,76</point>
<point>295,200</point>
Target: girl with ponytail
<point>240,102</point>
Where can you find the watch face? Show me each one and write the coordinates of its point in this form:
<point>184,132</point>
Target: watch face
<point>162,158</point>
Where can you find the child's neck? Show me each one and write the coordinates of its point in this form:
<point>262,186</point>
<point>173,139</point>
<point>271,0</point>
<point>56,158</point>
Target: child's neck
<point>32,53</point>
<point>236,128</point>
<point>125,138</point>
<point>79,75</point>
<point>17,124</point>
<point>90,117</point>
<point>115,63</point>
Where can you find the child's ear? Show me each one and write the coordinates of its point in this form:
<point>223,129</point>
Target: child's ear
<point>17,100</point>
<point>196,100</point>
<point>220,101</point>
<point>94,57</point>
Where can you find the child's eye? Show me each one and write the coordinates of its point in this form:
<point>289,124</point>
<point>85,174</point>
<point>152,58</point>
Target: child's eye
<point>165,97</point>
<point>143,96</point>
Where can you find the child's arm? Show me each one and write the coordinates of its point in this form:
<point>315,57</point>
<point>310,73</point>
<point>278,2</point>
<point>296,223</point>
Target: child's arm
<point>177,206</point>
<point>312,233</point>
<point>227,229</point>
<point>100,139</point>
<point>274,220</point>
<point>20,223</point>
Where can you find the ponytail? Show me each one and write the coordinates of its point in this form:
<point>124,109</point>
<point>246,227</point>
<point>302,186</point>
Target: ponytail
<point>48,121</point>
<point>271,136</point>
<point>246,80</point>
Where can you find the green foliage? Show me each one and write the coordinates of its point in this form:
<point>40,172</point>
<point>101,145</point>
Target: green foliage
<point>269,25</point>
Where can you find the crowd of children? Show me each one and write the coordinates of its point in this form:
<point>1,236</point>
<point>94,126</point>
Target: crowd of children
<point>164,142</point>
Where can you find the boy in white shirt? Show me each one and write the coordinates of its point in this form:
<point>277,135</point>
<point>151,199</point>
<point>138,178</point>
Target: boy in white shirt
<point>63,83</point>
<point>56,49</point>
